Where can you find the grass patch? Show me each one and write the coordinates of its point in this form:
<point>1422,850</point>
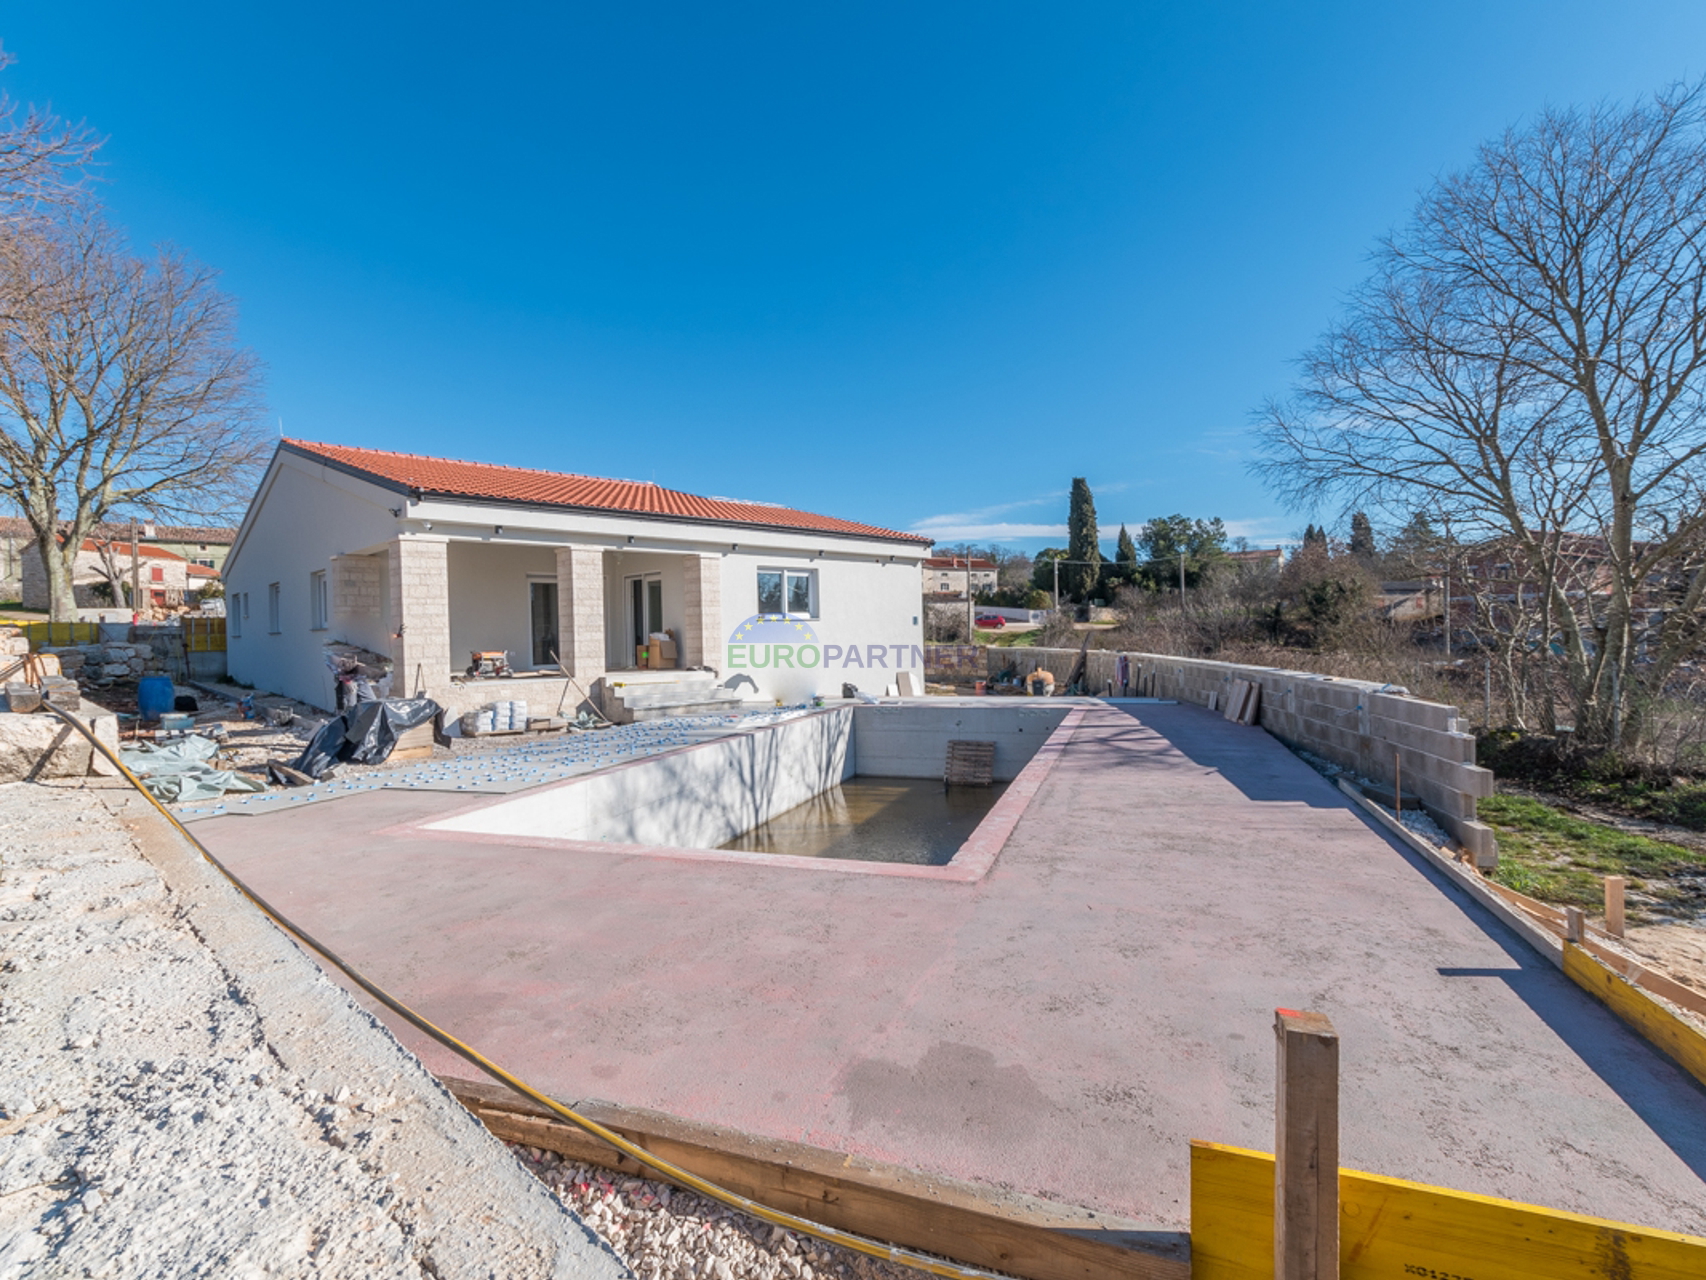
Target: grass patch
<point>1562,859</point>
<point>1005,639</point>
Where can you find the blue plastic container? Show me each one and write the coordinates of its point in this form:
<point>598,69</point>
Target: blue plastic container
<point>154,697</point>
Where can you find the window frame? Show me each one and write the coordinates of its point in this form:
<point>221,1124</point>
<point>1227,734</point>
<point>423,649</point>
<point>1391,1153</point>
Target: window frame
<point>275,609</point>
<point>319,602</point>
<point>790,572</point>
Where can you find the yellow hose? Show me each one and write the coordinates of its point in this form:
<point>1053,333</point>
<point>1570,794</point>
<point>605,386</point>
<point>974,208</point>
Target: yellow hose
<point>776,1217</point>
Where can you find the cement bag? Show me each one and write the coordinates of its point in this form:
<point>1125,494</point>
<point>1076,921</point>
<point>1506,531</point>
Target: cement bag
<point>365,734</point>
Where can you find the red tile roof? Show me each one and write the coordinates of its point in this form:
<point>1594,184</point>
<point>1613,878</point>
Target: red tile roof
<point>958,562</point>
<point>490,482</point>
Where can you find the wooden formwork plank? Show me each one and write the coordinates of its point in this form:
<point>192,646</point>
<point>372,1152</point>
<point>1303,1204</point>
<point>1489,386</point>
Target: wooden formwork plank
<point>1390,1227</point>
<point>1657,1024</point>
<point>986,1227</point>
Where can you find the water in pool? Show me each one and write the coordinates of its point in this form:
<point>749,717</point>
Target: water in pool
<point>877,820</point>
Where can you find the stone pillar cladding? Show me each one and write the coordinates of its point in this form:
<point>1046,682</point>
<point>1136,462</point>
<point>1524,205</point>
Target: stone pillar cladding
<point>420,615</point>
<point>580,611</point>
<point>702,628</point>
<point>356,587</point>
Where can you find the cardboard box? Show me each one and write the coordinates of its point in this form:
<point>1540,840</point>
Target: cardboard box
<point>660,655</point>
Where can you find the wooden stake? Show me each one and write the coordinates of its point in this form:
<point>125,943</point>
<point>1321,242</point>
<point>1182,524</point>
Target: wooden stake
<point>1575,925</point>
<point>1306,1147</point>
<point>1614,905</point>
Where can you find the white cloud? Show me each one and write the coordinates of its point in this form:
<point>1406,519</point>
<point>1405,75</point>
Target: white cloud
<point>940,528</point>
<point>1262,531</point>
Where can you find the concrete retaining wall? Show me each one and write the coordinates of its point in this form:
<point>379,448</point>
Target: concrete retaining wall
<point>1361,726</point>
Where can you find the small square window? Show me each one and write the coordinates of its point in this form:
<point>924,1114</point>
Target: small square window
<point>792,592</point>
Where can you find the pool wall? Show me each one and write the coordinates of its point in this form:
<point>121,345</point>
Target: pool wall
<point>910,740</point>
<point>698,797</point>
<point>685,804</point>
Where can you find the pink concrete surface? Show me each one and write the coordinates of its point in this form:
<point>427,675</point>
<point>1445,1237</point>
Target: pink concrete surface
<point>1062,1025</point>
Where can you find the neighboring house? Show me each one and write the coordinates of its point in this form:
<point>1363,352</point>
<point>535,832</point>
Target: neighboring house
<point>949,575</point>
<point>167,580</point>
<point>426,561</point>
<point>1418,601</point>
<point>205,545</point>
<point>1256,559</point>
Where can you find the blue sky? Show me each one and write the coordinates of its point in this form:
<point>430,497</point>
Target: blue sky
<point>917,265</point>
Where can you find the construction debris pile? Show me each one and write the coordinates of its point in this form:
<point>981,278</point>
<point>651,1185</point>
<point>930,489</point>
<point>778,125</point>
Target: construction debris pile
<point>361,674</point>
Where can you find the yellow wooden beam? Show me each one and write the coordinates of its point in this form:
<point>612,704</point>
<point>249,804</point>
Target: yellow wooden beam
<point>1390,1229</point>
<point>1678,1038</point>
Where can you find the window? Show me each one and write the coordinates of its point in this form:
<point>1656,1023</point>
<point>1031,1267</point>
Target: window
<point>156,574</point>
<point>234,616</point>
<point>206,562</point>
<point>318,608</point>
<point>788,591</point>
<point>272,608</point>
<point>245,604</point>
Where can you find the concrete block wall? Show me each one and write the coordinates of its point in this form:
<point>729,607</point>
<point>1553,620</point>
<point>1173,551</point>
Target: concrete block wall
<point>1370,728</point>
<point>357,587</point>
<point>953,662</point>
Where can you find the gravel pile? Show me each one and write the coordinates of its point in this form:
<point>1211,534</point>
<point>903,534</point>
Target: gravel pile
<point>183,1093</point>
<point>665,1233</point>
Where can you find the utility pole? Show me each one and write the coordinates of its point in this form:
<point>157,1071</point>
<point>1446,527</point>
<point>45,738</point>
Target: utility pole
<point>971,611</point>
<point>1057,584</point>
<point>1181,580</point>
<point>135,568</point>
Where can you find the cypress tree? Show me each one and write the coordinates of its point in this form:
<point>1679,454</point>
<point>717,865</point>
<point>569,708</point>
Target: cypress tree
<point>1362,536</point>
<point>1125,559</point>
<point>1083,543</point>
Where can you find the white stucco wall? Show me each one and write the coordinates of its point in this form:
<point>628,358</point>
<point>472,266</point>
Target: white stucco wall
<point>863,601</point>
<point>490,603</point>
<point>302,517</point>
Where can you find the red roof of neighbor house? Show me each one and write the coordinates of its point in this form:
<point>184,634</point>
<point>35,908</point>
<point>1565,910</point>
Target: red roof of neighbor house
<point>958,562</point>
<point>493,483</point>
<point>122,549</point>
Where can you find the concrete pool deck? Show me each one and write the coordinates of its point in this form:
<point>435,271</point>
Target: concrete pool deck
<point>1062,1025</point>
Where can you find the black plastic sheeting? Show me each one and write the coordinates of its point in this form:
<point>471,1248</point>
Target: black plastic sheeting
<point>365,734</point>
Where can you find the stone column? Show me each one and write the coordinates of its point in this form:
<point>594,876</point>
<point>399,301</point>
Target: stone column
<point>420,615</point>
<point>580,611</point>
<point>702,628</point>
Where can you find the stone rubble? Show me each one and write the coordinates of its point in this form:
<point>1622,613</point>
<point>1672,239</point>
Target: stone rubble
<point>666,1233</point>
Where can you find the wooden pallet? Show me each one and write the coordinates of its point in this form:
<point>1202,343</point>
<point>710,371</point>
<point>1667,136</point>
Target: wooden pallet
<point>970,763</point>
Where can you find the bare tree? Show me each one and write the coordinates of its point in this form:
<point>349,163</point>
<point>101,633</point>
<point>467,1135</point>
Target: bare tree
<point>1527,360</point>
<point>43,160</point>
<point>122,387</point>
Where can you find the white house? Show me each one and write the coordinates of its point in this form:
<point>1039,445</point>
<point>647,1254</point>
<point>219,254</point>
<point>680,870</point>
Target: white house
<point>428,561</point>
